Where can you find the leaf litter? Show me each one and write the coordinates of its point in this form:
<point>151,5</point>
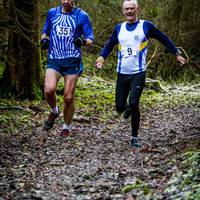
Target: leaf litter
<point>96,161</point>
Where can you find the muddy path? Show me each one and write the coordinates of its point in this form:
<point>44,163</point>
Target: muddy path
<point>96,161</point>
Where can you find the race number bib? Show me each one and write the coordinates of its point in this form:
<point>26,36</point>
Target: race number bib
<point>129,51</point>
<point>63,31</point>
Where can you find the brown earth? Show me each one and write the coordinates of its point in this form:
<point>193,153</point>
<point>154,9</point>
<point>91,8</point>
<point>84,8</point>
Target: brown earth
<point>96,161</point>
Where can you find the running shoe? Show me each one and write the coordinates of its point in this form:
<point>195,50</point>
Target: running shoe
<point>48,124</point>
<point>134,142</point>
<point>64,133</point>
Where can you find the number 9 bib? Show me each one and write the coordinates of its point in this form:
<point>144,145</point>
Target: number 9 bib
<point>129,51</point>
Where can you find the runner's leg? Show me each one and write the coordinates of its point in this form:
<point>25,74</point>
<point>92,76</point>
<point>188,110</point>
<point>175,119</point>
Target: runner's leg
<point>137,85</point>
<point>69,91</point>
<point>51,81</point>
<point>122,92</point>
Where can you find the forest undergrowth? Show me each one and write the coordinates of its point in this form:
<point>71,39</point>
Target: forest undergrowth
<point>96,160</point>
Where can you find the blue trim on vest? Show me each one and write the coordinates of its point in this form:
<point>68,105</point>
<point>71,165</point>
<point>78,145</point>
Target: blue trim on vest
<point>120,61</point>
<point>140,59</point>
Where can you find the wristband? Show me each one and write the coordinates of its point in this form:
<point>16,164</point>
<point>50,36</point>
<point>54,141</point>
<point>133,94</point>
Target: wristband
<point>178,52</point>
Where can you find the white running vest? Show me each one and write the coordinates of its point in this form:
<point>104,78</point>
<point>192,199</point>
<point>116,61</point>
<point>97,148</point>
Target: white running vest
<point>132,49</point>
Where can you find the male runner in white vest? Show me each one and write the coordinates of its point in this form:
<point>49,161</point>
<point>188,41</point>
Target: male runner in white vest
<point>132,38</point>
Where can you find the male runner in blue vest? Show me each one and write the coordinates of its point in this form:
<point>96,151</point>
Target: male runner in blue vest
<point>62,36</point>
<point>132,37</point>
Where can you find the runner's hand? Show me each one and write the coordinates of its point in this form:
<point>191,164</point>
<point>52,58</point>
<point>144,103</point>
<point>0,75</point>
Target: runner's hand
<point>78,42</point>
<point>181,59</point>
<point>99,62</point>
<point>44,43</point>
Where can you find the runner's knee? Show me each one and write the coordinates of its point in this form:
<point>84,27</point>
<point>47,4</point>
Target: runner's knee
<point>68,99</point>
<point>120,109</point>
<point>49,91</point>
<point>134,106</point>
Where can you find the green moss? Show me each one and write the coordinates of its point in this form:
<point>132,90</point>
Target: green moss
<point>1,70</point>
<point>185,181</point>
<point>9,118</point>
<point>4,119</point>
<point>37,92</point>
<point>129,187</point>
<point>60,88</point>
<point>16,115</point>
<point>139,185</point>
<point>95,97</point>
<point>173,96</point>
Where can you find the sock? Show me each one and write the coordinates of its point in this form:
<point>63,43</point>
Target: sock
<point>134,138</point>
<point>66,126</point>
<point>55,110</point>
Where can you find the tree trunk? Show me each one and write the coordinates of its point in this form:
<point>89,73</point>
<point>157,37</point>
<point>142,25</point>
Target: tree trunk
<point>22,75</point>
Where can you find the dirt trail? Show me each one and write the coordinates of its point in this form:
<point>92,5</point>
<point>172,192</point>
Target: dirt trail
<point>96,161</point>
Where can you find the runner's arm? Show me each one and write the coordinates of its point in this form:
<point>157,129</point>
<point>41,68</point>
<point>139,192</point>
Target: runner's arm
<point>153,32</point>
<point>87,30</point>
<point>108,47</point>
<point>47,24</point>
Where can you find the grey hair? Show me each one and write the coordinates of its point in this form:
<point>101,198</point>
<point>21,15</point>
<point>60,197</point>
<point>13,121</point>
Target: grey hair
<point>134,1</point>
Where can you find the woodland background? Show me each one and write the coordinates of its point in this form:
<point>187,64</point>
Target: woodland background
<point>22,62</point>
<point>96,161</point>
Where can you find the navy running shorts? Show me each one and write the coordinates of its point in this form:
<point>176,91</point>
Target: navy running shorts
<point>66,66</point>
